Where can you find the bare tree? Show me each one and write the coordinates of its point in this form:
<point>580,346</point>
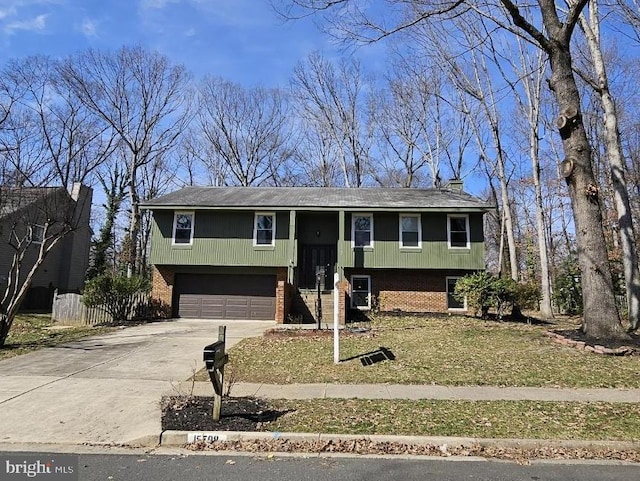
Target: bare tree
<point>470,71</point>
<point>144,98</point>
<point>413,120</point>
<point>590,27</point>
<point>247,131</point>
<point>332,99</point>
<point>316,157</point>
<point>529,68</point>
<point>73,139</point>
<point>551,29</point>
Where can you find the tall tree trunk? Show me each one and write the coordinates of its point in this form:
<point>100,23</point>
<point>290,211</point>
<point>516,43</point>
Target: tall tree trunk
<point>613,145</point>
<point>546,309</point>
<point>601,317</point>
<point>507,215</point>
<point>134,220</point>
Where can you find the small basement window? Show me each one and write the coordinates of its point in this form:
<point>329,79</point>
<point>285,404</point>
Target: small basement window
<point>361,292</point>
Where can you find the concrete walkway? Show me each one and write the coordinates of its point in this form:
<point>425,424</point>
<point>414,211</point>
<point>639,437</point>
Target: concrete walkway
<point>414,392</point>
<point>106,389</point>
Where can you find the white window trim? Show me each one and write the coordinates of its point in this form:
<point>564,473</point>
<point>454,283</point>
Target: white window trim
<point>255,229</point>
<point>466,217</point>
<point>454,309</point>
<point>31,231</point>
<point>361,308</point>
<point>353,229</point>
<point>175,224</point>
<point>419,217</point>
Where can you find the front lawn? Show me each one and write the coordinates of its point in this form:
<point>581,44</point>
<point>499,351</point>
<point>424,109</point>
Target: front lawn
<point>437,350</point>
<point>482,419</point>
<point>34,331</point>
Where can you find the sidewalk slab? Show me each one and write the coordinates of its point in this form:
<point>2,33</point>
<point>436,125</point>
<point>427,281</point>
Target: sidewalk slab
<point>291,391</point>
<point>436,392</point>
<point>11,386</point>
<point>359,391</point>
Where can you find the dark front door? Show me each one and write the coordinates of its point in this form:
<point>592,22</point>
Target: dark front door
<point>313,257</point>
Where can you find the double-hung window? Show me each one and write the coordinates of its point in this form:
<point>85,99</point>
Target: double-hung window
<point>361,292</point>
<point>410,231</point>
<point>458,231</point>
<point>36,232</point>
<point>362,230</point>
<point>183,228</point>
<point>264,230</point>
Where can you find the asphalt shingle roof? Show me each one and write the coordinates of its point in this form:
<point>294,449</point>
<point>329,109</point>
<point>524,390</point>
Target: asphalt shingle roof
<point>316,198</point>
<point>12,200</point>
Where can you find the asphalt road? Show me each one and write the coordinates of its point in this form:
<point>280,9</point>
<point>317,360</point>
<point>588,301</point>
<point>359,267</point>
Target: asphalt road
<point>145,467</point>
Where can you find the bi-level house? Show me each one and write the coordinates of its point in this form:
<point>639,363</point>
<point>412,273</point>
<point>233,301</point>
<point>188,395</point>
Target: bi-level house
<point>260,252</point>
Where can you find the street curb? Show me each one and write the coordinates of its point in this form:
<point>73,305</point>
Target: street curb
<point>179,438</point>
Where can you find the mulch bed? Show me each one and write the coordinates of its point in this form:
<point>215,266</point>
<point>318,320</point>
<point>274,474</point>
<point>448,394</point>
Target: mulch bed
<point>194,413</point>
<point>576,338</point>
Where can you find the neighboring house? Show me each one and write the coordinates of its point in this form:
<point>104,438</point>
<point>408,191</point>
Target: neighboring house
<point>257,252</point>
<point>26,210</point>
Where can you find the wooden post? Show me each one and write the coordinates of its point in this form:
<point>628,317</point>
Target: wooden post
<point>217,375</point>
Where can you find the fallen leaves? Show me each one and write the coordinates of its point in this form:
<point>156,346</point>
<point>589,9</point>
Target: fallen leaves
<point>366,446</point>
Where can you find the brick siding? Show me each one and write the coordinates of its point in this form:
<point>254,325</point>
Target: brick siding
<point>282,295</point>
<point>408,290</point>
<point>162,281</point>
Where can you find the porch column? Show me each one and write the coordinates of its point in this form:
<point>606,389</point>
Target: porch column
<point>293,247</point>
<point>341,245</point>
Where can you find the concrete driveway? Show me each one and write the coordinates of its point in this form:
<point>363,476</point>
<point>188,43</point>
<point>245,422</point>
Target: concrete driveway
<point>106,389</point>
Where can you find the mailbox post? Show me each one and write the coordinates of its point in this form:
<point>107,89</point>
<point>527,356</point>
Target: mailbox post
<point>215,358</point>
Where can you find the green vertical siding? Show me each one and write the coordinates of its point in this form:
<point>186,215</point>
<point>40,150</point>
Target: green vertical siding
<point>434,254</point>
<point>225,238</point>
<point>220,238</point>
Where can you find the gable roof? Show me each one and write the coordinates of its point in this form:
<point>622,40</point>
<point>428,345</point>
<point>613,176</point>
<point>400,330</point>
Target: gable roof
<point>14,199</point>
<point>317,198</point>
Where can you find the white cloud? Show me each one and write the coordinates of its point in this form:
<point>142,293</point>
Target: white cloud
<point>33,25</point>
<point>6,12</point>
<point>88,27</point>
<point>157,4</point>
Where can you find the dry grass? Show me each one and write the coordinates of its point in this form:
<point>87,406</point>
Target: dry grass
<point>35,331</point>
<point>486,419</point>
<point>439,350</point>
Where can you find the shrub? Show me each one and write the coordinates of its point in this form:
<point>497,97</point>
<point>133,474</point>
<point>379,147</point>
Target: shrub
<point>484,291</point>
<point>114,294</point>
<point>479,291</point>
<point>567,289</point>
<point>527,295</point>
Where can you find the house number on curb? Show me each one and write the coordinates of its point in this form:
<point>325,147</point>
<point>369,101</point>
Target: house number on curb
<point>206,437</point>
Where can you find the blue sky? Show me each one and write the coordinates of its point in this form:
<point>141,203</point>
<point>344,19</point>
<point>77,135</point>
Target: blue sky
<point>240,40</point>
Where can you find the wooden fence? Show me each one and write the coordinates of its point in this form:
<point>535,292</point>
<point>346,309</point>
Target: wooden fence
<point>69,310</point>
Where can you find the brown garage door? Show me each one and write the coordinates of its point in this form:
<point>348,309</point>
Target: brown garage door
<point>226,296</point>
